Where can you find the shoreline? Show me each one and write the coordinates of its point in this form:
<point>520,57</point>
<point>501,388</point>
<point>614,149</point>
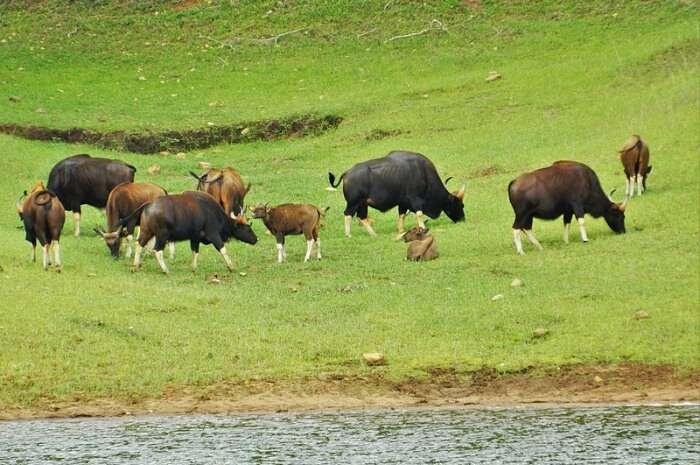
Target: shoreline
<point>571,385</point>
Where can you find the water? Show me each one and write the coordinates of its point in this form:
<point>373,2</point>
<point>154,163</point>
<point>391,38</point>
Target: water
<point>576,435</point>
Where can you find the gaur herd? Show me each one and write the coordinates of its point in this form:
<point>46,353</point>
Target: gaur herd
<point>215,212</point>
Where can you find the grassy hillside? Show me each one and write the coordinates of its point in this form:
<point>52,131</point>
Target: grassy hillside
<point>577,81</point>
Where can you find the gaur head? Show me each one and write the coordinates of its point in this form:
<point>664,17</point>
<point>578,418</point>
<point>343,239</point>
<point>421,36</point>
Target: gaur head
<point>242,231</point>
<point>454,207</point>
<point>415,234</point>
<point>259,211</point>
<point>615,215</point>
<point>113,239</point>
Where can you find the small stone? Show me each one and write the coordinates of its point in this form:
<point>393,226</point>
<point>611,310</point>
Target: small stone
<point>102,119</point>
<point>245,131</point>
<point>540,332</point>
<point>164,152</point>
<point>15,98</point>
<point>243,273</point>
<point>154,169</point>
<point>374,359</point>
<point>641,315</point>
<point>597,379</point>
<point>41,110</point>
<point>517,282</point>
<point>493,76</point>
<point>204,165</point>
<point>92,275</point>
<point>497,297</point>
<point>215,280</point>
<point>210,124</point>
<point>142,78</point>
<point>180,156</point>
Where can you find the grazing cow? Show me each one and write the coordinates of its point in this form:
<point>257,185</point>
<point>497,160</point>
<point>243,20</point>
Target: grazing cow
<point>566,188</point>
<point>405,179</point>
<point>634,156</point>
<point>226,186</point>
<point>193,216</point>
<point>43,216</point>
<point>84,180</point>
<point>290,219</point>
<point>122,202</point>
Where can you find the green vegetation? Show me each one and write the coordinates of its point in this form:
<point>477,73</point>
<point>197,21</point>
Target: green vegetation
<point>577,81</point>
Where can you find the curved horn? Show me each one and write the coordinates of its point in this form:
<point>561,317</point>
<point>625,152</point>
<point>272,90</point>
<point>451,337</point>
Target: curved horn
<point>98,231</point>
<point>460,192</point>
<point>611,194</point>
<point>447,179</point>
<point>198,178</point>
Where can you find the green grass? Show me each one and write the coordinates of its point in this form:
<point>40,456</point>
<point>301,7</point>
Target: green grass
<point>577,81</point>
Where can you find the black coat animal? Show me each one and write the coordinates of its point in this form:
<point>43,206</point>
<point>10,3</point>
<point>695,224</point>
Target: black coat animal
<point>84,180</point>
<point>192,216</point>
<point>566,188</point>
<point>43,217</point>
<point>406,180</point>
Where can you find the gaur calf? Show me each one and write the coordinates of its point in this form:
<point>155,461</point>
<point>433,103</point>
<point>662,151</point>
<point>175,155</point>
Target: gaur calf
<point>43,216</point>
<point>290,219</point>
<point>421,246</point>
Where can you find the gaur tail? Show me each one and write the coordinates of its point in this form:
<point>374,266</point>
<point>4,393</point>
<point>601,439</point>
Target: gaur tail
<point>132,167</point>
<point>124,221</point>
<point>331,179</point>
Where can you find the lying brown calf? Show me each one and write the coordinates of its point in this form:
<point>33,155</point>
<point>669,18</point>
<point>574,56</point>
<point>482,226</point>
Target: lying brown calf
<point>291,219</point>
<point>43,216</point>
<point>421,246</point>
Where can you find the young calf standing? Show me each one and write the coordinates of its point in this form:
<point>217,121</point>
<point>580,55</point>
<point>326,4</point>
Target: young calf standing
<point>634,156</point>
<point>43,216</point>
<point>290,219</point>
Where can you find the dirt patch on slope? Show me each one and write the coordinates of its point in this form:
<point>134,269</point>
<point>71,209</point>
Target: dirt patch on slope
<point>575,384</point>
<point>185,140</point>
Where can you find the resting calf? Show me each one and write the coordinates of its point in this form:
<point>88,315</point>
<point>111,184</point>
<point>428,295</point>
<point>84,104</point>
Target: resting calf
<point>290,219</point>
<point>421,246</point>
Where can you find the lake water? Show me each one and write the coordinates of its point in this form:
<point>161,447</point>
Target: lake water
<point>533,435</point>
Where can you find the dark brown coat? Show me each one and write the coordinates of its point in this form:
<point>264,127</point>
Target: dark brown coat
<point>43,216</point>
<point>634,156</point>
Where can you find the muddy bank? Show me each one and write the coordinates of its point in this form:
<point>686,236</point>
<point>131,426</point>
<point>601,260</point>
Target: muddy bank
<point>185,140</point>
<point>440,388</point>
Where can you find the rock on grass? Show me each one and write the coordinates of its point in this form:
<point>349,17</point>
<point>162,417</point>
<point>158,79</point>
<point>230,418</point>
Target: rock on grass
<point>374,359</point>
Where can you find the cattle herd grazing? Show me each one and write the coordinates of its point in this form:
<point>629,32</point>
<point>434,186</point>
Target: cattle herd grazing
<point>216,212</point>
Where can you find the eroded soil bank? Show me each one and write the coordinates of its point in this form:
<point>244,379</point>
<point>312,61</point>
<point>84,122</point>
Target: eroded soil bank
<point>572,384</point>
<point>181,141</point>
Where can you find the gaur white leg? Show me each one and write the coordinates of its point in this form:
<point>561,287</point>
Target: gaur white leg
<point>76,223</point>
<point>161,261</point>
<point>171,250</point>
<point>309,246</point>
<point>566,232</point>
<point>137,256</point>
<point>150,244</point>
<point>194,261</point>
<point>584,236</point>
<point>57,253</point>
<point>532,239</point>
<point>631,185</point>
<point>419,219</point>
<point>318,248</point>
<point>45,255</point>
<point>280,252</point>
<point>348,220</point>
<point>129,243</point>
<point>368,227</point>
<point>627,187</point>
<point>518,242</point>
<point>640,187</point>
<point>223,253</point>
